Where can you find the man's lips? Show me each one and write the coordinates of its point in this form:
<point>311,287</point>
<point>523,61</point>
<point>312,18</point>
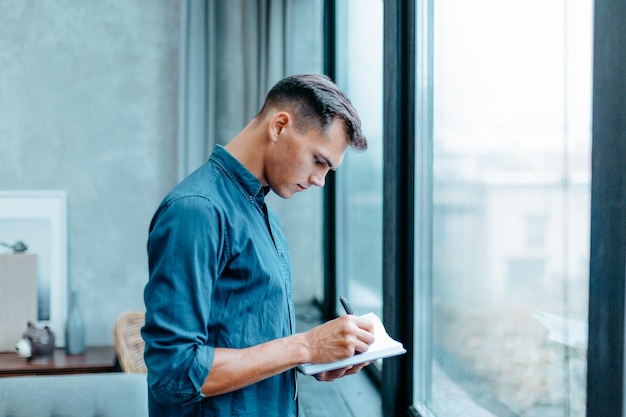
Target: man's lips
<point>301,188</point>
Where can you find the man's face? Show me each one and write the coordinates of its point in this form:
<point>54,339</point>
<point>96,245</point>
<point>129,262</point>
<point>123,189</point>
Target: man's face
<point>299,160</point>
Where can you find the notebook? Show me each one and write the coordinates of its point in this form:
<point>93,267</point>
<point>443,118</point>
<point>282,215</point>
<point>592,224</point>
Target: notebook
<point>383,347</point>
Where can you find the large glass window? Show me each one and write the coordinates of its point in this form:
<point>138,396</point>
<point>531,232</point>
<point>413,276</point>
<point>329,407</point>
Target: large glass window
<point>359,179</point>
<point>504,122</point>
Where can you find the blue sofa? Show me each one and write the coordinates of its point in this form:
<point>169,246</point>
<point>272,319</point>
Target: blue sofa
<point>85,395</point>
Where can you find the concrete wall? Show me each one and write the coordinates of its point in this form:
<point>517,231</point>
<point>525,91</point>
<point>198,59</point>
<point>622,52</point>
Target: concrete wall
<point>88,104</point>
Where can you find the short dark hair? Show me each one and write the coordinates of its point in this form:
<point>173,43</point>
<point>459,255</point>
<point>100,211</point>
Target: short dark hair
<point>316,101</point>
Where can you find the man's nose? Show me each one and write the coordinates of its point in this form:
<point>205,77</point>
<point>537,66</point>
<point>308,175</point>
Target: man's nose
<point>318,179</point>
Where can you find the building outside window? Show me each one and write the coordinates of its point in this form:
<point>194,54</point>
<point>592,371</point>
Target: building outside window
<point>504,90</point>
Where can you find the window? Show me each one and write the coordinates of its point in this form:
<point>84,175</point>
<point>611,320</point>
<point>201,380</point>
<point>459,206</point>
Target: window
<point>359,179</point>
<point>504,109</point>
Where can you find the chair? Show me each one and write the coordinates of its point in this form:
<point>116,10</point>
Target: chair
<point>129,344</point>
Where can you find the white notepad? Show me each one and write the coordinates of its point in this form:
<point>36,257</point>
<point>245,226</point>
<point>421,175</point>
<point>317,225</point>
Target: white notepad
<point>383,347</point>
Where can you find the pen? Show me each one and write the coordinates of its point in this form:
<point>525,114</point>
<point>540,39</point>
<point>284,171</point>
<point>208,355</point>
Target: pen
<point>346,305</point>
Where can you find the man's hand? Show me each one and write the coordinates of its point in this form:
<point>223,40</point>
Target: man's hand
<point>339,339</point>
<point>341,372</point>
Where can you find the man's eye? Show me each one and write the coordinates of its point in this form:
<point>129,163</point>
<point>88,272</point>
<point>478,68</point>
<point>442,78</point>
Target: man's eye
<point>318,161</point>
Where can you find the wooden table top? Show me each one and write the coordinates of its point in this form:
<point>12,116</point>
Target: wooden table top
<point>95,359</point>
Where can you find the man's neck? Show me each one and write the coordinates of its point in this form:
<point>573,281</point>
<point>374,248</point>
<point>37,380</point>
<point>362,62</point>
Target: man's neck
<point>248,147</point>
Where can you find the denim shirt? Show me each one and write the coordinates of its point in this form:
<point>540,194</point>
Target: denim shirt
<point>220,276</point>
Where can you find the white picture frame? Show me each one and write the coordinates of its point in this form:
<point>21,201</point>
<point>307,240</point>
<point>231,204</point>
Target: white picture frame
<point>39,219</point>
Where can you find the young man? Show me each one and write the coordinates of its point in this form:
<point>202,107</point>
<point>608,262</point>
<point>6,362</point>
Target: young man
<point>220,318</point>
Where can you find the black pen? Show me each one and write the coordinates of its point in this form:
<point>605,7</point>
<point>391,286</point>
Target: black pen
<point>346,305</point>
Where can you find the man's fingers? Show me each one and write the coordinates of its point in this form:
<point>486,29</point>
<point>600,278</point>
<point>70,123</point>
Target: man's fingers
<point>356,368</point>
<point>339,339</point>
<point>361,346</point>
<point>364,334</point>
<point>341,372</point>
<point>363,323</point>
<point>332,375</point>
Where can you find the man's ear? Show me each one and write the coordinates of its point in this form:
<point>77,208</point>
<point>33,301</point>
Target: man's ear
<point>277,124</point>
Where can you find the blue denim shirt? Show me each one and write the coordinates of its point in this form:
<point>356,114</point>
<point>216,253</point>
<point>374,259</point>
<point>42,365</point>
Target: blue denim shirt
<point>220,276</point>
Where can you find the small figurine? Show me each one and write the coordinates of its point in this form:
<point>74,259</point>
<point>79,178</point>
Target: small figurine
<point>17,247</point>
<point>37,344</point>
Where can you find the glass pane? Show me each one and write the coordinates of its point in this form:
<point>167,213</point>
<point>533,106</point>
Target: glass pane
<point>511,146</point>
<point>359,179</point>
<point>301,216</point>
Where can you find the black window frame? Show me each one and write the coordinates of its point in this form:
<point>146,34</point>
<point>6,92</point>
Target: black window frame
<point>607,269</point>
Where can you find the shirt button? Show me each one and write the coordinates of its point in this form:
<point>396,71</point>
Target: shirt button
<point>251,197</point>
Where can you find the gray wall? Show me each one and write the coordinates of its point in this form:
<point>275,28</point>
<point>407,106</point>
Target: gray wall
<point>88,104</point>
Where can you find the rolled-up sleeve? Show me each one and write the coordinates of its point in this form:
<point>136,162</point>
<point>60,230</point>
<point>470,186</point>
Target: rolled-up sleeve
<point>185,246</point>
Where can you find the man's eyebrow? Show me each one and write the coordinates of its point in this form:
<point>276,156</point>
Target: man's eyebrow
<point>330,164</point>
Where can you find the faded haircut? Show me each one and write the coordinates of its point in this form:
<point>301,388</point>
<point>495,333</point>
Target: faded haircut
<point>316,101</point>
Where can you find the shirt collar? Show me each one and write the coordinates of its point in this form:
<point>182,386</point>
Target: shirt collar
<point>249,185</point>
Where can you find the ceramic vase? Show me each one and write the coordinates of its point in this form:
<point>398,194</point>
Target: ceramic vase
<point>74,328</point>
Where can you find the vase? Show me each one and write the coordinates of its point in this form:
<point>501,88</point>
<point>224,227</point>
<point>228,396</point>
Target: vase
<point>74,328</point>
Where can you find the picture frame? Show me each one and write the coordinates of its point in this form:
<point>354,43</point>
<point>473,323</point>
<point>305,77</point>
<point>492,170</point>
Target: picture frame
<point>39,219</point>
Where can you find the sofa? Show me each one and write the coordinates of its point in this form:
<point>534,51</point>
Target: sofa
<point>113,394</point>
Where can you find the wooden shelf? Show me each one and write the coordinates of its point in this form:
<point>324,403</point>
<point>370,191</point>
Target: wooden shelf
<point>94,360</point>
